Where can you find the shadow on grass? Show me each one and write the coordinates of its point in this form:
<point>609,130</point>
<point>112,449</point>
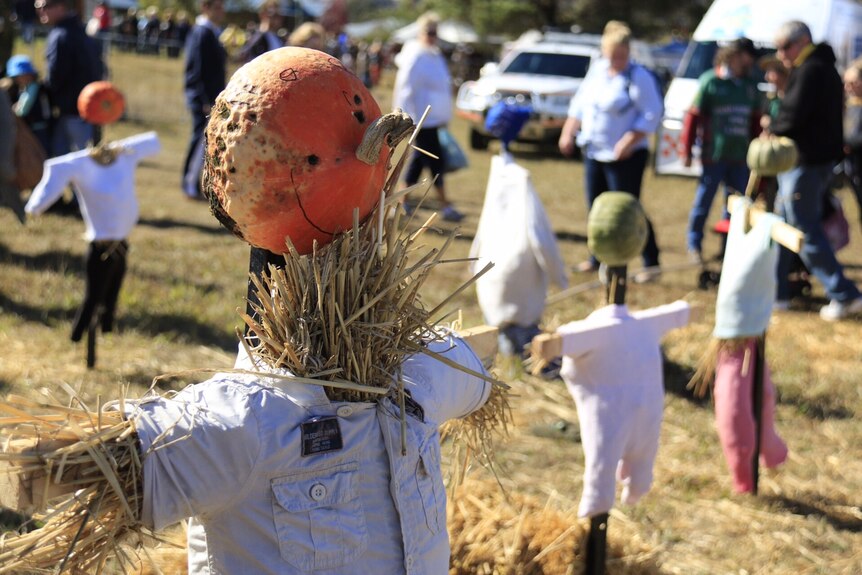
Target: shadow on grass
<point>54,260</point>
<point>676,378</point>
<point>169,223</point>
<point>44,316</point>
<point>819,508</point>
<point>180,327</point>
<point>818,407</point>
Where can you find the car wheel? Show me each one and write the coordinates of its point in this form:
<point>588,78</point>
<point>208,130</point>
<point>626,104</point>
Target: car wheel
<point>478,141</point>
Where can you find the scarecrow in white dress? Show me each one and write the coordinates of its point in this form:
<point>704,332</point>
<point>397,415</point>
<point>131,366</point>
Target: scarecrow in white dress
<point>515,234</point>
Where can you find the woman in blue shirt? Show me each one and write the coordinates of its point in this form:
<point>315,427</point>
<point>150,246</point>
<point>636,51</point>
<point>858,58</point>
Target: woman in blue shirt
<point>610,118</point>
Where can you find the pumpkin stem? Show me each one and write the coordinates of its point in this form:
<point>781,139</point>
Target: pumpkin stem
<point>388,129</point>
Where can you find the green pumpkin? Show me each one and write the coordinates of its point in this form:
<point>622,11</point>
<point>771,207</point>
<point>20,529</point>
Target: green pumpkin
<point>616,228</point>
<point>771,156</point>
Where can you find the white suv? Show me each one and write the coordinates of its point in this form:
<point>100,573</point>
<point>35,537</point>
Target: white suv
<point>544,74</point>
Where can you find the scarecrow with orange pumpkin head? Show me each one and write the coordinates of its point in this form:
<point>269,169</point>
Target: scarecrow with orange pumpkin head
<point>320,451</point>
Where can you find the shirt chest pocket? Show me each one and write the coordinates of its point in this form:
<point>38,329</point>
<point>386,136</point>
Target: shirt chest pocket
<point>319,518</point>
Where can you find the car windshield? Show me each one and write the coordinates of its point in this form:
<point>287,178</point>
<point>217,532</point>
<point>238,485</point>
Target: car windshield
<point>567,65</point>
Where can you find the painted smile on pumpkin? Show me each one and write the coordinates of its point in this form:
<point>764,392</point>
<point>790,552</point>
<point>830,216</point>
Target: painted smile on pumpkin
<point>302,208</point>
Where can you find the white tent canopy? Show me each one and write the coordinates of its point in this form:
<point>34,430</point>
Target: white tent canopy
<point>447,30</point>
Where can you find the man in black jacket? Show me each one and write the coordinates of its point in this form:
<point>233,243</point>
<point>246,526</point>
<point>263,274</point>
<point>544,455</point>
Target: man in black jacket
<point>810,114</point>
<point>205,77</point>
<point>72,61</point>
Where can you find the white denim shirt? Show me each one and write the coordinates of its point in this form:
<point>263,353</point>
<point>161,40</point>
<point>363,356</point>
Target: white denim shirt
<point>231,458</point>
<point>106,193</point>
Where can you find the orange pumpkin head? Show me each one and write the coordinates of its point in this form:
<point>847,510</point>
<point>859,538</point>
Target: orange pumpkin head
<point>101,103</point>
<point>281,150</point>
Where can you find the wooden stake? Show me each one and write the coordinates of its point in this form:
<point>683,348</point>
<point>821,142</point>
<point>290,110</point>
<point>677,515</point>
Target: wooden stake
<point>91,341</point>
<point>597,541</point>
<point>757,403</point>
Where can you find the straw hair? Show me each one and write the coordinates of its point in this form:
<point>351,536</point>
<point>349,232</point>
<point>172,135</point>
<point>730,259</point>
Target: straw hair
<point>704,377</point>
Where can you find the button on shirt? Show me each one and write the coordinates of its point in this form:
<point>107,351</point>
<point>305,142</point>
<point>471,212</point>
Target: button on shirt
<point>229,456</point>
<point>106,193</point>
<point>609,106</point>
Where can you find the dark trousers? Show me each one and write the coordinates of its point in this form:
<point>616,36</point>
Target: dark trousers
<point>106,266</point>
<point>428,140</point>
<point>620,176</point>
<point>192,181</point>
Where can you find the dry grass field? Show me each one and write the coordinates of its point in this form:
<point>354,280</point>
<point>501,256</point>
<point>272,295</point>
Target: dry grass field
<point>186,280</point>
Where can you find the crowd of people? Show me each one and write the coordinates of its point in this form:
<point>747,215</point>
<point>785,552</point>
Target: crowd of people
<point>256,427</point>
<point>611,118</point>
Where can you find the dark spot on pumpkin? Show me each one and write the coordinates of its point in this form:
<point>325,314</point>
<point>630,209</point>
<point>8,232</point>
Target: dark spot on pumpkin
<point>232,127</point>
<point>232,170</point>
<point>356,99</point>
<point>252,117</point>
<point>221,145</point>
<point>360,116</point>
<point>313,160</point>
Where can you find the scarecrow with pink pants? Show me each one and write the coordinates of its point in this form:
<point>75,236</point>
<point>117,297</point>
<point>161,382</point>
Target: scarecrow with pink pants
<point>736,356</point>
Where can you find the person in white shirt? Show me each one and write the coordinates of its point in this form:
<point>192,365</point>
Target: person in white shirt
<point>104,182</point>
<point>612,114</point>
<point>423,80</point>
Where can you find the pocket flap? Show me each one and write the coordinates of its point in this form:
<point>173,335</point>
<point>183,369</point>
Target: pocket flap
<point>314,489</point>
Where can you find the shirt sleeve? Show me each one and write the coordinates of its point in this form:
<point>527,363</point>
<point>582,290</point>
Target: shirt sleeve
<point>27,99</point>
<point>647,101</point>
<point>142,145</point>
<point>199,449</point>
<point>446,392</point>
<point>56,175</point>
<point>664,318</point>
<point>582,337</point>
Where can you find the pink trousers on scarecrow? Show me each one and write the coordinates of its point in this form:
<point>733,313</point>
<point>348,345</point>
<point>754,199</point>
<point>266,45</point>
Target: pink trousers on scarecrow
<point>734,416</point>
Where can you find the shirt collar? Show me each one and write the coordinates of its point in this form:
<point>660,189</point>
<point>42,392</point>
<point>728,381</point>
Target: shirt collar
<point>803,55</point>
<point>612,311</point>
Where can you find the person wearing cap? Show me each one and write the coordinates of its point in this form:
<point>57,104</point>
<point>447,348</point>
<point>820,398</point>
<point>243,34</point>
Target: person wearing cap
<point>726,116</point>
<point>811,115</point>
<point>72,61</point>
<point>31,101</point>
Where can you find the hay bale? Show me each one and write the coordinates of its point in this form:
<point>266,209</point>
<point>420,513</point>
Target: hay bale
<point>495,533</point>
